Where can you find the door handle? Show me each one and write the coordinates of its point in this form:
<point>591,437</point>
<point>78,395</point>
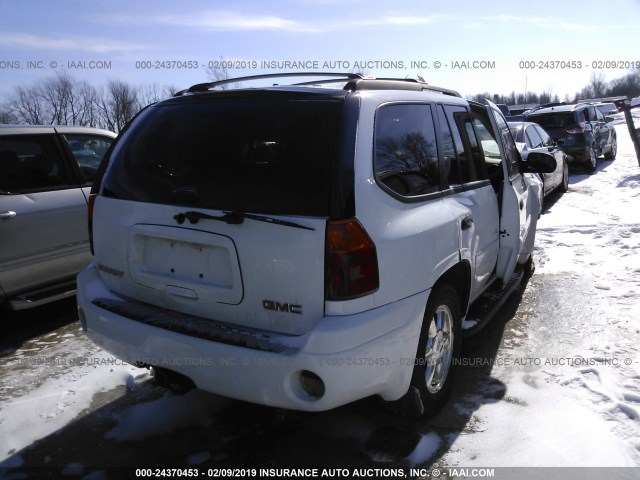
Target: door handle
<point>7,215</point>
<point>466,222</point>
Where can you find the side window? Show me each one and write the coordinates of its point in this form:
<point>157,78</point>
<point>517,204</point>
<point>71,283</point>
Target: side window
<point>462,154</point>
<point>547,141</point>
<point>590,114</point>
<point>599,115</point>
<point>30,163</point>
<point>533,138</point>
<point>88,151</point>
<point>488,144</point>
<point>510,149</point>
<point>406,157</point>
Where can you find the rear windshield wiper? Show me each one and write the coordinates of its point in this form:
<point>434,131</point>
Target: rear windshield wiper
<point>234,218</point>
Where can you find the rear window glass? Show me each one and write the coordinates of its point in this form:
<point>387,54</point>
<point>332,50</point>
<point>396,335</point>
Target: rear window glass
<point>265,154</point>
<point>553,120</point>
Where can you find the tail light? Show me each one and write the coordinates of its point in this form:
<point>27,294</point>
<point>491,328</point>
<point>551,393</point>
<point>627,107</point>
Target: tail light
<point>351,261</point>
<point>92,200</point>
<point>579,128</point>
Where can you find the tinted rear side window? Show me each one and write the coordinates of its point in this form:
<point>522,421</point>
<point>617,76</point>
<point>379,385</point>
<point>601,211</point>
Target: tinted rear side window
<point>460,146</point>
<point>406,154</point>
<point>265,154</point>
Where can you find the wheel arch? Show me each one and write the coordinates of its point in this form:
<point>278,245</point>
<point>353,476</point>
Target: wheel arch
<point>459,278</point>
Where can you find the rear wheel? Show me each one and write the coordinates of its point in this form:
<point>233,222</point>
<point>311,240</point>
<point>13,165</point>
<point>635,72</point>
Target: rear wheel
<point>564,185</point>
<point>438,347</point>
<point>592,162</point>
<point>614,149</point>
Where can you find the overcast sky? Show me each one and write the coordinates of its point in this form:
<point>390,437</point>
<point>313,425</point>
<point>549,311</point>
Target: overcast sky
<point>104,39</point>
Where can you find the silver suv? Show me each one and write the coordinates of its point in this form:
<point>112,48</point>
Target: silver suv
<point>45,176</point>
<point>304,247</point>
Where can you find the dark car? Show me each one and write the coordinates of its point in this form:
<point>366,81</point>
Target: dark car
<point>531,137</point>
<point>586,133</point>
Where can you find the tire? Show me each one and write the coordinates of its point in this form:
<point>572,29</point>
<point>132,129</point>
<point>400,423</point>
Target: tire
<point>614,149</point>
<point>564,185</point>
<point>592,161</point>
<point>438,348</point>
<point>529,267</point>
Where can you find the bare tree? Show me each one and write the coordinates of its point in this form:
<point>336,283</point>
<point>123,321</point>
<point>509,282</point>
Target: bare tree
<point>117,104</point>
<point>27,106</point>
<point>598,84</point>
<point>6,115</point>
<point>153,92</point>
<point>88,104</point>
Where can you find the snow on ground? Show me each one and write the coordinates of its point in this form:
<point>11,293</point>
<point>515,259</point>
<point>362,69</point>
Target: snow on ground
<point>575,403</point>
<point>573,380</point>
<point>49,382</point>
<point>141,421</point>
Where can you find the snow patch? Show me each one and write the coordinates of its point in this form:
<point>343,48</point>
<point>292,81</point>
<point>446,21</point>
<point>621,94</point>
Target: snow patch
<point>166,415</point>
<point>425,450</point>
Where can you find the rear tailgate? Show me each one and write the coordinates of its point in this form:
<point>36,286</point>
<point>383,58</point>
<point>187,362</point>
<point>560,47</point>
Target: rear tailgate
<point>263,160</point>
<point>246,274</point>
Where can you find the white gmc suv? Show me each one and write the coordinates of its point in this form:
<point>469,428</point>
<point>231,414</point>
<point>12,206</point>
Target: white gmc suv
<point>303,246</point>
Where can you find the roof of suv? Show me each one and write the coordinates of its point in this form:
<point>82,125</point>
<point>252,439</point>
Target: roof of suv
<point>31,129</point>
<point>558,108</point>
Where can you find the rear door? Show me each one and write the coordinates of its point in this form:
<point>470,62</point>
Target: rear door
<point>604,131</point>
<point>43,233</point>
<point>515,217</point>
<point>475,200</point>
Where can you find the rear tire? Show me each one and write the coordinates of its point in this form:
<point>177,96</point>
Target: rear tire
<point>614,149</point>
<point>529,267</point>
<point>438,348</point>
<point>592,162</point>
<point>564,185</point>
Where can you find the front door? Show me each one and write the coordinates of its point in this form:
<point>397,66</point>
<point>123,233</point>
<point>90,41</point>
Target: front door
<point>515,217</point>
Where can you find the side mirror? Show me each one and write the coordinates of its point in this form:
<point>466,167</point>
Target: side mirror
<point>538,162</point>
<point>609,119</point>
<point>559,141</point>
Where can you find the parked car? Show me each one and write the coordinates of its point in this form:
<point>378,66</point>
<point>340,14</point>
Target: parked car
<point>531,137</point>
<point>585,132</point>
<point>306,247</point>
<point>44,186</point>
<point>608,109</point>
<point>504,109</point>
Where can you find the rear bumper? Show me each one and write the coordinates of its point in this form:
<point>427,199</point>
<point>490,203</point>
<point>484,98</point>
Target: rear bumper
<point>579,154</point>
<point>356,356</point>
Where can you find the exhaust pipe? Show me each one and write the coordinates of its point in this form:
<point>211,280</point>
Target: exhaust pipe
<point>176,382</point>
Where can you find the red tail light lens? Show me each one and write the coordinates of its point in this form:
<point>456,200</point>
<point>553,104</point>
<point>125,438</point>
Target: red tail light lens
<point>579,128</point>
<point>92,200</point>
<point>351,261</point>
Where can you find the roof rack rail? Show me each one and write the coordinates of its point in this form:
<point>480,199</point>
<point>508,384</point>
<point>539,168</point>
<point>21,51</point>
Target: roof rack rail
<point>355,82</point>
<point>396,84</point>
<point>203,87</point>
